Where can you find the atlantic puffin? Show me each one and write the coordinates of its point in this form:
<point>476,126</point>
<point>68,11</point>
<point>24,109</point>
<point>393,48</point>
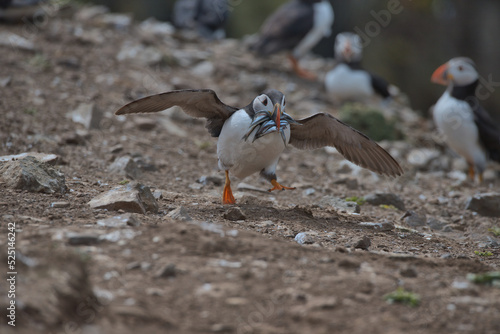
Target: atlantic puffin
<point>348,81</point>
<point>467,128</point>
<point>206,17</point>
<point>296,26</point>
<point>251,139</point>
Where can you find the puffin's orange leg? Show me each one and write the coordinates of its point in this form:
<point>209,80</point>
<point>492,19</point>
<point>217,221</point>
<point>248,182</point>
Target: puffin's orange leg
<point>481,179</point>
<point>300,71</point>
<point>277,186</point>
<point>227,196</point>
<point>472,174</point>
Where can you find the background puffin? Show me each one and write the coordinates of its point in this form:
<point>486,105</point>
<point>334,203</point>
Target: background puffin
<point>467,128</point>
<point>206,17</point>
<point>251,139</point>
<point>296,26</point>
<point>348,80</point>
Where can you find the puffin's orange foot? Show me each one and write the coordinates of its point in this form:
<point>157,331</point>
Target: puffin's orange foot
<point>472,174</point>
<point>227,195</point>
<point>277,186</point>
<point>300,71</point>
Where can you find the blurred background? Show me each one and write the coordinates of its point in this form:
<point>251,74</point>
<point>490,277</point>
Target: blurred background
<point>405,48</point>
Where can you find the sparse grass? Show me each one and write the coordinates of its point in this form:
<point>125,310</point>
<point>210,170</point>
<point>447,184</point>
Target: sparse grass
<point>30,111</point>
<point>203,145</point>
<point>123,182</point>
<point>39,62</point>
<point>486,253</point>
<point>404,297</point>
<point>495,230</point>
<point>359,200</point>
<point>388,207</point>
<point>489,278</point>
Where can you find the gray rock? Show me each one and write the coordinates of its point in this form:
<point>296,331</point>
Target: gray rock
<point>383,226</point>
<point>351,184</point>
<point>60,205</point>
<point>133,197</point>
<point>168,270</point>
<point>51,159</point>
<point>145,123</point>
<point>414,219</point>
<point>339,204</point>
<point>435,224</point>
<point>143,56</point>
<point>87,115</point>
<point>32,175</point>
<point>12,40</point>
<point>486,204</point>
<point>203,69</point>
<point>363,243</point>
<point>78,239</point>
<point>127,219</point>
<point>5,81</point>
<point>422,157</point>
<point>212,179</point>
<point>386,199</point>
<point>304,238</point>
<point>181,213</point>
<point>125,166</point>
<point>234,214</point>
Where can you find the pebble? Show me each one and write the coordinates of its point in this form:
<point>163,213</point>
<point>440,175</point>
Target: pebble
<point>364,243</point>
<point>124,220</point>
<point>383,226</point>
<point>339,204</point>
<point>125,166</point>
<point>234,214</point>
<point>12,40</point>
<point>436,224</point>
<point>486,204</point>
<point>60,205</point>
<point>87,115</point>
<point>168,270</point>
<point>77,239</point>
<point>414,219</point>
<point>180,213</point>
<point>51,159</point>
<point>304,238</point>
<point>132,197</point>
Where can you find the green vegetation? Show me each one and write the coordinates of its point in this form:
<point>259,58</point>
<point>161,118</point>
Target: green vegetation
<point>30,111</point>
<point>370,121</point>
<point>39,62</point>
<point>403,296</point>
<point>486,253</point>
<point>388,207</point>
<point>123,182</point>
<point>489,278</point>
<point>495,230</point>
<point>358,200</point>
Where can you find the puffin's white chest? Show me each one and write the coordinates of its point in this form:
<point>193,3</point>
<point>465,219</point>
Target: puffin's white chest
<point>323,20</point>
<point>245,157</point>
<point>343,83</point>
<point>455,120</point>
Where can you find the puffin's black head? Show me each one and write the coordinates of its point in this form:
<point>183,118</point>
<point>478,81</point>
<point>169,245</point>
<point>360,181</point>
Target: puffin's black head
<point>270,116</point>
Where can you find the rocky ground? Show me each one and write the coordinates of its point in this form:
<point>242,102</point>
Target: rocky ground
<point>160,253</point>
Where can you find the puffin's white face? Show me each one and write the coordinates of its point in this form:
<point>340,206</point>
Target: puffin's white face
<point>459,71</point>
<point>263,102</point>
<point>348,47</point>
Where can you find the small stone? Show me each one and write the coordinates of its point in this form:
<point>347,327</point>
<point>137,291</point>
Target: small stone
<point>249,187</point>
<point>181,213</point>
<point>339,204</point>
<point>87,115</point>
<point>234,214</point>
<point>414,219</point>
<point>139,54</point>
<point>408,272</point>
<point>145,123</point>
<point>12,40</point>
<point>168,270</point>
<point>435,224</point>
<point>446,256</point>
<point>304,238</point>
<point>382,227</point>
<point>32,175</point>
<point>308,192</point>
<point>385,199</point>
<point>422,157</point>
<point>203,69</point>
<point>213,179</point>
<point>60,205</point>
<point>133,197</point>
<point>236,301</point>
<point>116,148</point>
<point>133,265</point>
<point>351,184</point>
<point>51,159</point>
<point>125,166</point>
<point>363,243</point>
<point>124,220</point>
<point>5,81</point>
<point>486,204</point>
<point>83,239</point>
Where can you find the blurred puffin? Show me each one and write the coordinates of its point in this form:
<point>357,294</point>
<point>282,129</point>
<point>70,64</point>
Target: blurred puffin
<point>13,11</point>
<point>467,128</point>
<point>348,80</point>
<point>252,138</point>
<point>206,17</point>
<point>296,26</point>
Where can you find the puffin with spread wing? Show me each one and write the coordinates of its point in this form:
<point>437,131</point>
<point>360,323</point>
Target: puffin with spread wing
<point>252,138</point>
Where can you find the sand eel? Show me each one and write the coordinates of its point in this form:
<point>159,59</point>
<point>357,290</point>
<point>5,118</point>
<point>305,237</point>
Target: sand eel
<point>467,128</point>
<point>297,26</point>
<point>348,80</point>
<point>252,138</point>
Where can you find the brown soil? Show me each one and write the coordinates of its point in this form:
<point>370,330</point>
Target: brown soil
<point>246,276</point>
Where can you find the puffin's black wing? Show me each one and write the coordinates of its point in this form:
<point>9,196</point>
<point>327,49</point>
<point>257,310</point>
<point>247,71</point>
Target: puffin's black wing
<point>195,102</point>
<point>323,129</point>
<point>489,133</point>
<point>285,28</point>
<point>380,85</point>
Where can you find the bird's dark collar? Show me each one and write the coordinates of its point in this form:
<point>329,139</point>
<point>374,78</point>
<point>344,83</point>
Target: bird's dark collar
<point>353,65</point>
<point>464,93</point>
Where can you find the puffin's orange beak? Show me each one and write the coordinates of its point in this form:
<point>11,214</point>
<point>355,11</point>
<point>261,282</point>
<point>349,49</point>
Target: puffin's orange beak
<point>441,75</point>
<point>277,115</point>
<point>347,51</point>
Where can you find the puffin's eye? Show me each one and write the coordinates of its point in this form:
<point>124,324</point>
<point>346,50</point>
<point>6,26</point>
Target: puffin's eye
<point>264,101</point>
<point>460,68</point>
<point>284,102</point>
